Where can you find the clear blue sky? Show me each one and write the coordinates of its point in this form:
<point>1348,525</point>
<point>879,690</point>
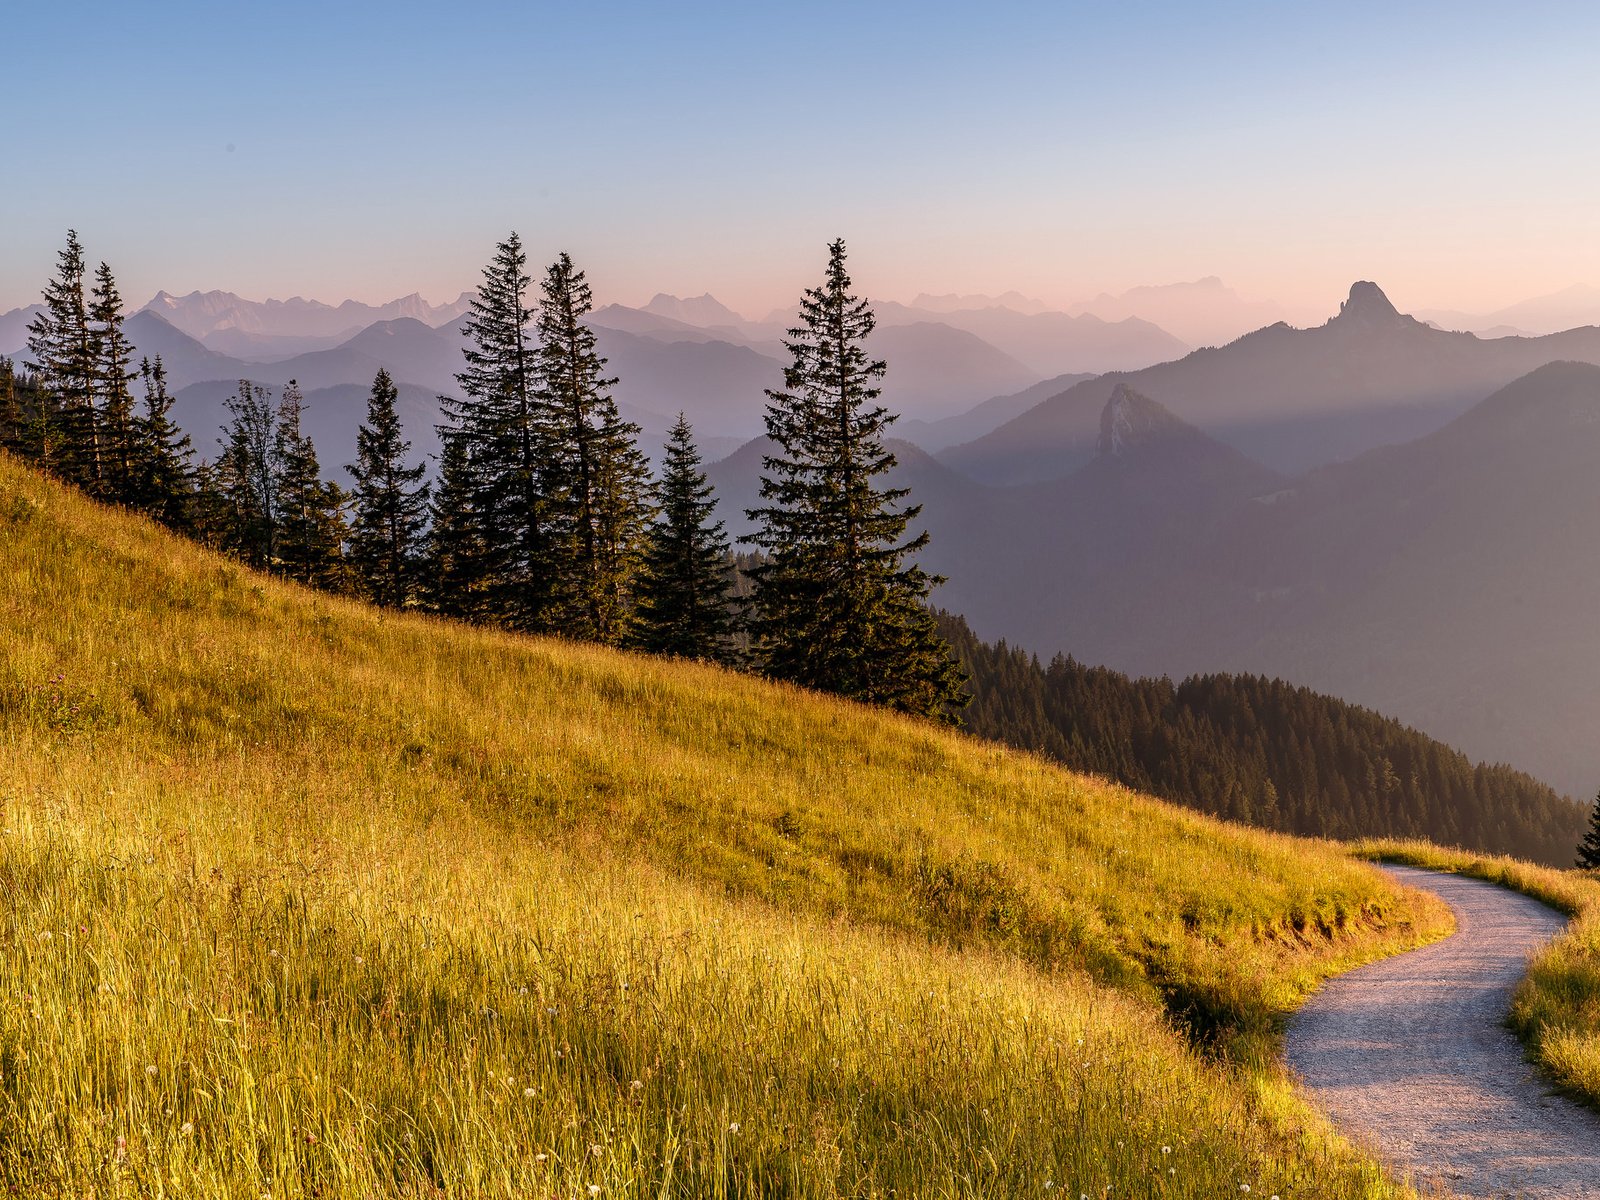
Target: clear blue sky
<point>369,150</point>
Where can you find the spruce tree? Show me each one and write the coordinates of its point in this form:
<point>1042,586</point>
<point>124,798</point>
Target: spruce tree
<point>310,511</point>
<point>115,437</point>
<point>243,485</point>
<point>63,356</point>
<point>390,503</point>
<point>1589,848</point>
<point>15,420</point>
<point>503,440</point>
<point>164,478</point>
<point>456,575</point>
<point>597,479</point>
<point>840,605</point>
<point>683,605</point>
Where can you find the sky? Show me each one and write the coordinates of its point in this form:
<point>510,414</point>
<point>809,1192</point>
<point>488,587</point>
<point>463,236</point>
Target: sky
<point>348,149</point>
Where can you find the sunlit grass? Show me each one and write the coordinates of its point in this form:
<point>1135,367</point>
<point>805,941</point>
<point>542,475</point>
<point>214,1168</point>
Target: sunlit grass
<point>304,899</point>
<point>1557,1006</point>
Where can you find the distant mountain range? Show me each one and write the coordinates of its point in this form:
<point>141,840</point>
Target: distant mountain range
<point>663,366</point>
<point>692,354</point>
<point>976,421</point>
<point>1569,308</point>
<point>1291,398</point>
<point>14,328</point>
<point>1050,343</point>
<point>1205,312</point>
<point>951,302</point>
<point>246,328</point>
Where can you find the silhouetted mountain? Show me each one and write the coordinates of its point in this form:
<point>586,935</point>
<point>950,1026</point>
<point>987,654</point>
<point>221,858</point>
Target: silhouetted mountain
<point>201,314</point>
<point>649,324</point>
<point>266,347</point>
<point>950,302</point>
<point>186,360</point>
<point>1569,308</point>
<point>412,351</point>
<point>702,311</point>
<point>1051,343</point>
<point>934,368</point>
<point>981,418</point>
<point>718,385</point>
<point>1291,398</point>
<point>14,330</point>
<point>1205,312</point>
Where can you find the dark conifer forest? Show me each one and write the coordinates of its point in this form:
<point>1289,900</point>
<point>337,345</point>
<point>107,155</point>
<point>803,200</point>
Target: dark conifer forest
<point>1260,751</point>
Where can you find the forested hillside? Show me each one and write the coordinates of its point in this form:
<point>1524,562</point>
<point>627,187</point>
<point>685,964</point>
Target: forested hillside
<point>1261,751</point>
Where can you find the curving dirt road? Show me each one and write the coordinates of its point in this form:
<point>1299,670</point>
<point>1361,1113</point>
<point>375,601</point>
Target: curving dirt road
<point>1411,1058</point>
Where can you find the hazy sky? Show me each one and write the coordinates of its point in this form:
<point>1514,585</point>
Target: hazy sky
<point>1449,151</point>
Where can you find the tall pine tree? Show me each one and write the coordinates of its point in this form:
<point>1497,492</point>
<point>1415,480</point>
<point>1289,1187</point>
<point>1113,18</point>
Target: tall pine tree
<point>63,357</point>
<point>840,605</point>
<point>597,478</point>
<point>1589,848</point>
<point>390,503</point>
<point>116,432</point>
<point>502,435</point>
<point>684,608</point>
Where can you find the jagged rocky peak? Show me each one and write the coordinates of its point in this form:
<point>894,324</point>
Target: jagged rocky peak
<point>1368,305</point>
<point>1130,420</point>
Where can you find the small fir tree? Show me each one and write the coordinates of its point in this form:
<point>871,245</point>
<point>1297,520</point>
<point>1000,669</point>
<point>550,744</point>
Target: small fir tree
<point>164,476</point>
<point>242,488</point>
<point>1589,848</point>
<point>456,576</point>
<point>390,504</point>
<point>310,511</point>
<point>15,420</point>
<point>597,479</point>
<point>684,607</point>
<point>840,605</point>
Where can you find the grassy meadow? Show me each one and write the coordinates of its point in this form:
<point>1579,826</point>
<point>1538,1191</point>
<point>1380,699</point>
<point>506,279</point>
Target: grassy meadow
<point>303,899</point>
<point>1557,1006</point>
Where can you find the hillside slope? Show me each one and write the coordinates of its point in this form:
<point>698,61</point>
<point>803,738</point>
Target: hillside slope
<point>310,899</point>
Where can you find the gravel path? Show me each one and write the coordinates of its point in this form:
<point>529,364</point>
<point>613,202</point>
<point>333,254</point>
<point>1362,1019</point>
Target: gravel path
<point>1411,1058</point>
